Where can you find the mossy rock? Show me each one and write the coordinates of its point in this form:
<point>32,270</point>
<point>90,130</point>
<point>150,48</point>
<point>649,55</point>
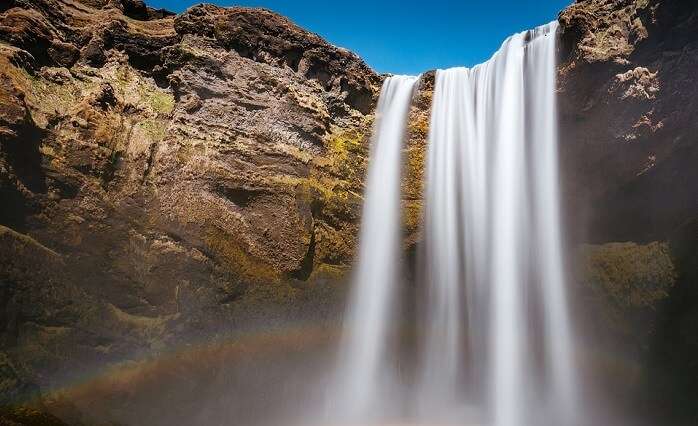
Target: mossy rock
<point>345,154</point>
<point>27,416</point>
<point>631,275</point>
<point>14,386</point>
<point>241,263</point>
<point>624,285</point>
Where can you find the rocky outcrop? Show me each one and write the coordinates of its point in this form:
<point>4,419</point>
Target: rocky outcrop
<point>629,149</point>
<point>627,98</point>
<point>163,177</point>
<point>266,37</point>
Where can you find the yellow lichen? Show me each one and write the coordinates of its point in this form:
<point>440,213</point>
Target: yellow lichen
<point>238,260</point>
<point>137,90</point>
<point>632,275</point>
<point>156,130</point>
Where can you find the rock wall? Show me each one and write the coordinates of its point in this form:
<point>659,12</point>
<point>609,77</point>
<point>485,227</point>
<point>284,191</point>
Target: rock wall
<point>168,177</point>
<point>629,154</point>
<point>629,150</point>
<point>627,97</point>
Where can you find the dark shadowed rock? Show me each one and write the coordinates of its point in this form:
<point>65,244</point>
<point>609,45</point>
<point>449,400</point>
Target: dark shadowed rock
<point>629,150</point>
<point>627,98</point>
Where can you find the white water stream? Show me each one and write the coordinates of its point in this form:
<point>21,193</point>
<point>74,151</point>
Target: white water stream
<point>497,324</point>
<point>362,389</point>
<point>496,340</point>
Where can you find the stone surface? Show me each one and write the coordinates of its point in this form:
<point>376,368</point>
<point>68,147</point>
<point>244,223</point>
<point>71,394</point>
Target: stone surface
<point>671,388</point>
<point>161,181</point>
<point>627,95</point>
<point>629,148</point>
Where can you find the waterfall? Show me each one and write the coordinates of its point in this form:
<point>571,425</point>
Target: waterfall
<point>364,375</point>
<point>496,327</point>
<point>495,341</point>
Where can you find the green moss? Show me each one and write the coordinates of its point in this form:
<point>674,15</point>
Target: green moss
<point>345,149</point>
<point>263,285</point>
<point>161,102</point>
<point>333,273</point>
<point>415,159</point>
<point>631,275</point>
<point>412,215</point>
<point>319,188</point>
<point>334,245</point>
<point>155,129</point>
<point>148,94</point>
<point>47,96</point>
<point>238,260</point>
<point>123,76</point>
<point>346,142</point>
<point>414,172</point>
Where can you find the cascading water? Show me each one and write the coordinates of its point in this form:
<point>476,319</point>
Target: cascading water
<point>492,242</point>
<point>541,69</point>
<point>496,345</point>
<point>363,382</point>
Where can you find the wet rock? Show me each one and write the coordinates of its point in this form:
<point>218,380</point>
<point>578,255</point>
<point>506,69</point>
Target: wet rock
<point>15,386</point>
<point>626,94</point>
<point>670,391</point>
<point>626,98</point>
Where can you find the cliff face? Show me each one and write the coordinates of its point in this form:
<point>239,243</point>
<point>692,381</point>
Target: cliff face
<point>167,176</point>
<point>628,96</point>
<point>630,148</point>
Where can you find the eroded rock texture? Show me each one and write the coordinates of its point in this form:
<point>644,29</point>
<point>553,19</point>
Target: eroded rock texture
<point>630,149</point>
<point>628,95</point>
<point>164,176</point>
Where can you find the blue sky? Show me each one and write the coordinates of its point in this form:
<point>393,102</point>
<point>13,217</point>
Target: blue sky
<point>408,37</point>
